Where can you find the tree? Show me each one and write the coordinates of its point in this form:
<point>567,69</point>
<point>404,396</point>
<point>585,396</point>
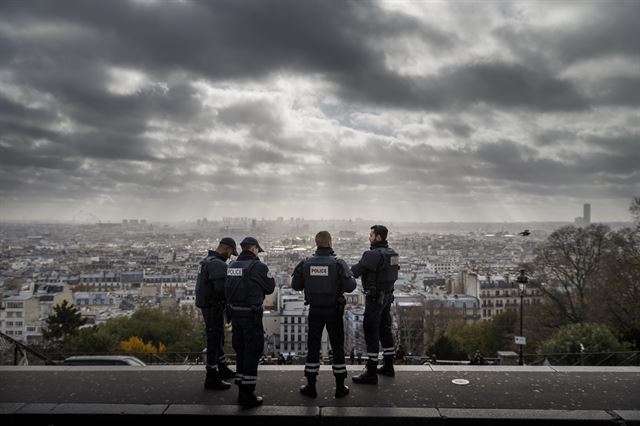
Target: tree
<point>619,298</point>
<point>444,348</point>
<point>634,209</point>
<point>64,321</point>
<point>487,336</point>
<point>134,344</point>
<point>568,264</point>
<point>179,332</point>
<point>582,338</point>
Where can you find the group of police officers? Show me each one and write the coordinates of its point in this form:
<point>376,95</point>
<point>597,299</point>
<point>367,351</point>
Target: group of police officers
<point>236,291</point>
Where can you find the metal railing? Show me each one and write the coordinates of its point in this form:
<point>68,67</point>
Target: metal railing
<point>631,358</point>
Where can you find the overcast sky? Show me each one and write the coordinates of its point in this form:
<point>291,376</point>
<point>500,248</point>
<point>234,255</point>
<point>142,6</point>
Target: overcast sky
<point>398,110</point>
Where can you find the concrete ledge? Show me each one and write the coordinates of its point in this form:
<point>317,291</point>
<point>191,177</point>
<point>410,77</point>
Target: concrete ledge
<point>371,416</point>
<point>10,407</point>
<point>630,417</point>
<point>160,413</point>
<point>502,414</point>
<point>38,408</point>
<point>355,368</point>
<point>235,410</point>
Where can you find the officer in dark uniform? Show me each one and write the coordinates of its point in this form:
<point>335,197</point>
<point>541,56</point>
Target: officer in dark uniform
<point>248,280</point>
<point>379,270</point>
<point>210,299</point>
<point>324,278</point>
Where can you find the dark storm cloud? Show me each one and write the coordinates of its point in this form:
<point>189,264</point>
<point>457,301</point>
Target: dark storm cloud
<point>255,39</point>
<point>461,86</point>
<point>607,28</point>
<point>75,122</point>
<point>258,116</point>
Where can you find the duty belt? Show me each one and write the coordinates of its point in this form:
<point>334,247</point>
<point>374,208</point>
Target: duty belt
<point>252,308</point>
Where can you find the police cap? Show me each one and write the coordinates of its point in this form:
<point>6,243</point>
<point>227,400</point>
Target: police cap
<point>250,241</point>
<point>231,243</point>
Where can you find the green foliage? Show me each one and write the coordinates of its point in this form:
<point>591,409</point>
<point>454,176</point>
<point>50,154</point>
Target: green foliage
<point>179,332</point>
<point>64,321</point>
<point>444,348</point>
<point>594,338</point>
<point>487,336</point>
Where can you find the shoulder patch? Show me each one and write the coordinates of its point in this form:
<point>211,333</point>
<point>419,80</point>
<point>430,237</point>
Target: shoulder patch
<point>269,274</point>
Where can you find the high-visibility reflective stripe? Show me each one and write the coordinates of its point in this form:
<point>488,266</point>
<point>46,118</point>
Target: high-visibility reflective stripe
<point>340,370</point>
<point>312,370</point>
<point>372,355</point>
<point>212,366</point>
<point>249,382</point>
<point>392,348</point>
<point>339,365</point>
<point>222,358</point>
<point>250,377</point>
<point>389,353</point>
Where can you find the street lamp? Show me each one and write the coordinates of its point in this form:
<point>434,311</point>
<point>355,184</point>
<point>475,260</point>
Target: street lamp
<point>522,283</point>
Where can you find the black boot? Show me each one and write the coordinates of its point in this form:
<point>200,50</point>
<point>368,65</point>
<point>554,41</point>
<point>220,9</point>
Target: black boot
<point>226,372</point>
<point>341,389</point>
<point>387,368</point>
<point>246,397</point>
<point>214,382</point>
<point>310,388</point>
<point>369,377</point>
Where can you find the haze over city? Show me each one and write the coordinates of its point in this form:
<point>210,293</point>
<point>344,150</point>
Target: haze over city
<point>397,111</point>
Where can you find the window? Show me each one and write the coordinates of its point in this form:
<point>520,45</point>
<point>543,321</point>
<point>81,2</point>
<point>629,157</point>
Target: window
<point>14,305</point>
<point>18,323</point>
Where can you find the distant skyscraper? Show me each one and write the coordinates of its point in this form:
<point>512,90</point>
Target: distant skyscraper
<point>586,214</point>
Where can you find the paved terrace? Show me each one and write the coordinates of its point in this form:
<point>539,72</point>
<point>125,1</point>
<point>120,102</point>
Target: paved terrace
<point>417,395</point>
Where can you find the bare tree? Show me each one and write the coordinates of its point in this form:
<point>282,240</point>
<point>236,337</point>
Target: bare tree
<point>568,264</point>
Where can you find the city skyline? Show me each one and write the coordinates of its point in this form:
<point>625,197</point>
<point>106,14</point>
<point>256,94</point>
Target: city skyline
<point>398,111</point>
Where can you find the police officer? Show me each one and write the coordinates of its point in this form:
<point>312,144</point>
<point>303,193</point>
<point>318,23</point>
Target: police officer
<point>378,268</point>
<point>248,280</point>
<point>324,278</point>
<point>210,299</point>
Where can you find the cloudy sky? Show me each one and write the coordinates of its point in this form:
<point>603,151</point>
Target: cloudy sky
<point>394,110</point>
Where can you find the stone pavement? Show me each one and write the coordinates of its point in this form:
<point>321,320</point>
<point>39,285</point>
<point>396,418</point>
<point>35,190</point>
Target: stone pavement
<point>418,394</point>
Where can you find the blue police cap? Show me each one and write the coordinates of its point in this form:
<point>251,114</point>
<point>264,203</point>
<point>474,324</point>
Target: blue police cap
<point>231,243</point>
<point>250,241</point>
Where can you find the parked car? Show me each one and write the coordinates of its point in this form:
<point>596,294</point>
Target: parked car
<point>104,360</point>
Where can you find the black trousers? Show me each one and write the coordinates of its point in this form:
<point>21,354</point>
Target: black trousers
<point>377,329</point>
<point>319,318</point>
<point>248,342</point>
<point>214,327</point>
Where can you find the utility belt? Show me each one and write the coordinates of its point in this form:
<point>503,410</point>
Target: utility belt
<point>373,294</point>
<point>253,311</point>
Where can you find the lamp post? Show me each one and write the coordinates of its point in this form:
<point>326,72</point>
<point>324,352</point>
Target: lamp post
<point>522,283</point>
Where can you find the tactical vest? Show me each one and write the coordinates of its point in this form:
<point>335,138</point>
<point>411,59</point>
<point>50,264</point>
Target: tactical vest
<point>208,283</point>
<point>238,288</point>
<point>387,272</point>
<point>321,281</point>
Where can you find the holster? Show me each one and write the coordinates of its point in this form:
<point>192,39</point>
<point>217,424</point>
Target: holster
<point>341,302</point>
<point>257,313</point>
